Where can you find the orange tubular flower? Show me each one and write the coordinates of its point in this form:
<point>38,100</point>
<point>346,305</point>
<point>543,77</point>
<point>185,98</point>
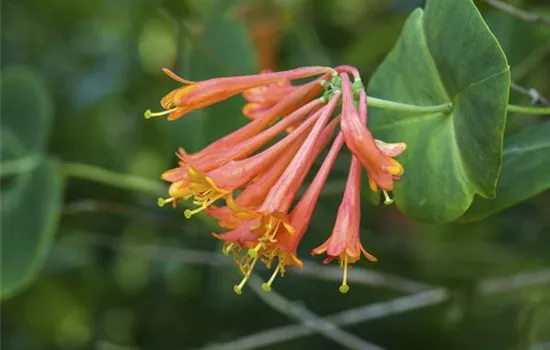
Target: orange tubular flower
<point>274,209</point>
<point>181,176</point>
<point>262,98</point>
<point>271,217</point>
<point>197,95</point>
<point>293,103</point>
<point>344,242</point>
<point>381,168</point>
<point>215,154</point>
<point>206,188</point>
<point>249,180</point>
<point>255,193</point>
<point>285,248</point>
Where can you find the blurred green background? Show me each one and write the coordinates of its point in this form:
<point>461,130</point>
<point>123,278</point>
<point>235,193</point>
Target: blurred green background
<point>124,274</point>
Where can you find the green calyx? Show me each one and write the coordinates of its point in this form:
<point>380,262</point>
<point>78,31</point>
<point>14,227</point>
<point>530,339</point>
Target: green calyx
<point>332,86</point>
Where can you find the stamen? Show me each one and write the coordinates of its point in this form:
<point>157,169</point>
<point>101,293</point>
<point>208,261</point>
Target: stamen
<point>267,286</point>
<point>148,114</point>
<point>268,259</point>
<point>238,259</point>
<point>289,228</point>
<point>344,288</point>
<point>188,213</point>
<point>227,248</point>
<point>161,201</point>
<point>246,262</point>
<point>239,288</point>
<point>203,201</point>
<point>387,199</point>
<point>271,228</point>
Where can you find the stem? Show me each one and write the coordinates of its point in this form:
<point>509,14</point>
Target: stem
<point>529,109</point>
<point>531,17</point>
<point>444,108</point>
<point>111,178</point>
<point>124,181</point>
<point>532,93</point>
<point>402,107</point>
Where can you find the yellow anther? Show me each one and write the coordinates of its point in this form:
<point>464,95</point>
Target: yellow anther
<point>161,201</point>
<point>203,198</point>
<point>188,213</point>
<point>387,199</point>
<point>227,248</point>
<point>344,288</point>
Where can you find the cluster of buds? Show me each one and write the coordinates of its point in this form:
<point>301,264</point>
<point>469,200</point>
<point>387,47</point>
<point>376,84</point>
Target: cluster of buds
<point>249,179</point>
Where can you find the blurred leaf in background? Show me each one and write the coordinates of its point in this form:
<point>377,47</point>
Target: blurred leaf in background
<point>31,197</point>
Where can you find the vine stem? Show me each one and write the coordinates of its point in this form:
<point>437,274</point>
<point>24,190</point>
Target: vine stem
<point>529,109</point>
<point>444,108</point>
<point>126,182</point>
<point>114,179</point>
<point>403,107</point>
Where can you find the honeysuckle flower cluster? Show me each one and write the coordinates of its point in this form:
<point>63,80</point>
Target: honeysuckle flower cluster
<point>249,179</point>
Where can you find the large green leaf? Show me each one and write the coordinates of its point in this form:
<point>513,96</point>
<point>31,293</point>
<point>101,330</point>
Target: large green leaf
<point>445,54</point>
<point>30,211</point>
<point>525,172</point>
<point>223,49</point>
<point>26,113</point>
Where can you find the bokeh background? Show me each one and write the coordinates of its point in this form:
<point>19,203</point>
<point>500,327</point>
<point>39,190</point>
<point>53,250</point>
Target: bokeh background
<point>124,274</point>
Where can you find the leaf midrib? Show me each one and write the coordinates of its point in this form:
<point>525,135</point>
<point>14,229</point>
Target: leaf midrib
<point>525,149</point>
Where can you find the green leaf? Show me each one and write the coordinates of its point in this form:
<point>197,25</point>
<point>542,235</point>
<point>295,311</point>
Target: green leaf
<point>524,172</point>
<point>445,54</point>
<point>26,113</point>
<point>30,210</point>
<point>374,43</point>
<point>223,49</point>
